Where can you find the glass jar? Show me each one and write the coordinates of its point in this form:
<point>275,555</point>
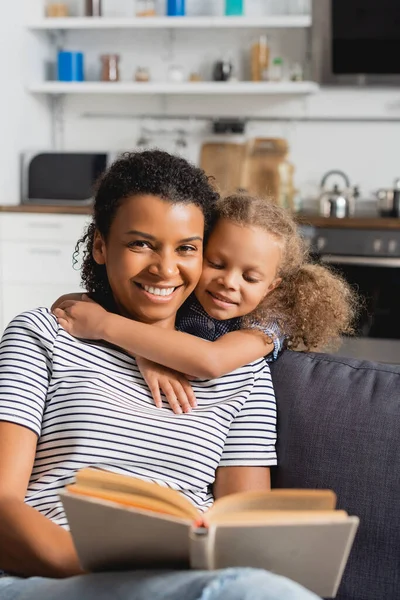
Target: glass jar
<point>146,8</point>
<point>110,67</point>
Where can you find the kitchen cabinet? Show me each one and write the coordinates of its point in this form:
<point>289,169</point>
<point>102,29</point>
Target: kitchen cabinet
<point>36,263</point>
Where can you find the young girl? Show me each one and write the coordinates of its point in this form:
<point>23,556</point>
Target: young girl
<point>256,271</point>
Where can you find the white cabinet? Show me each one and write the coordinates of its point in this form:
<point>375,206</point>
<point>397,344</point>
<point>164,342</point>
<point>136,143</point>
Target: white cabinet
<point>36,260</point>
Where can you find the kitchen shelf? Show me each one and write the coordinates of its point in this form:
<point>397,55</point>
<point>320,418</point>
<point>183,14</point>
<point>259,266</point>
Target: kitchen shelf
<point>87,23</point>
<point>189,88</point>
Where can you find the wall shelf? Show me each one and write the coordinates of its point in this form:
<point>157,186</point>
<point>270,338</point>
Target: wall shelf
<point>95,23</point>
<point>189,88</point>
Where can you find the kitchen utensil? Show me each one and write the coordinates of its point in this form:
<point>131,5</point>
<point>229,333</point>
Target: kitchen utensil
<point>70,66</point>
<point>389,201</point>
<point>336,202</point>
<point>223,161</point>
<point>223,70</point>
<point>267,171</point>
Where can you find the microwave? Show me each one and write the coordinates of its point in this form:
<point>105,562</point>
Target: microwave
<point>356,42</point>
<point>62,178</point>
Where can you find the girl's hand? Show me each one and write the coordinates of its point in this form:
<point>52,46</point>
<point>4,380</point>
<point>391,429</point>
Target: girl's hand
<point>64,298</point>
<point>176,388</point>
<point>82,319</point>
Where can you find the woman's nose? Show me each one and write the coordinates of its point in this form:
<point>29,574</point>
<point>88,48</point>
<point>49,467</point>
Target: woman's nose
<point>166,266</point>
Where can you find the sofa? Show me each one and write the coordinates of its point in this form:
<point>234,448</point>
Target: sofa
<point>339,428</point>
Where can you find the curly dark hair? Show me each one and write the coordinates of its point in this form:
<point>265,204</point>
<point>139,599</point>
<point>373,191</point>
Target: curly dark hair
<point>313,304</point>
<point>151,172</point>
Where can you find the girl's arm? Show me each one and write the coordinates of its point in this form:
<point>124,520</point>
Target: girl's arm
<point>174,349</point>
<point>31,544</point>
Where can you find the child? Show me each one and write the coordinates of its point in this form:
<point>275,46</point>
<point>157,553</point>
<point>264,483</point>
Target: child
<point>255,271</point>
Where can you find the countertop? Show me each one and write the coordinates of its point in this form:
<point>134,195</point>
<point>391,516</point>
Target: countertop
<point>358,222</point>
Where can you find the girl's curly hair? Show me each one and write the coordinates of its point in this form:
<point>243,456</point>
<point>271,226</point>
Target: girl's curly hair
<point>313,305</point>
<point>151,172</point>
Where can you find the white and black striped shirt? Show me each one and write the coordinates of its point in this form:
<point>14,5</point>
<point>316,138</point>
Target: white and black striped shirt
<point>89,405</point>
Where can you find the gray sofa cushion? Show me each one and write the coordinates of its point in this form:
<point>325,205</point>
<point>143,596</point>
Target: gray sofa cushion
<point>338,428</point>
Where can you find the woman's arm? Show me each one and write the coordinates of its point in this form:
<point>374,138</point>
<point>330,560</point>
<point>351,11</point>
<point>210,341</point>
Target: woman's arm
<point>229,480</point>
<point>174,349</point>
<point>30,543</point>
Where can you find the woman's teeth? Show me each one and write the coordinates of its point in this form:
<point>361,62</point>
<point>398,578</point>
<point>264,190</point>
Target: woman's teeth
<point>158,291</point>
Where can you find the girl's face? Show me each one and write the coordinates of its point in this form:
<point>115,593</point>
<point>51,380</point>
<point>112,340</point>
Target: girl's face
<point>153,257</point>
<point>239,269</point>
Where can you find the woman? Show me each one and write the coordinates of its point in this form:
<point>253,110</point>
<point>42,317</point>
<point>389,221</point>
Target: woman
<point>67,403</point>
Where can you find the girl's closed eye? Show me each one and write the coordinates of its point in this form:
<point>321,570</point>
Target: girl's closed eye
<point>215,265</point>
<point>250,279</point>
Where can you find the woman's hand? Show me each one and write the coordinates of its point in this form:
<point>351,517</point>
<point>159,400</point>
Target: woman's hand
<point>82,319</point>
<point>174,385</point>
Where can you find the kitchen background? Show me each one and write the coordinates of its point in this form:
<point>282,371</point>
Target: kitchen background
<point>354,128</point>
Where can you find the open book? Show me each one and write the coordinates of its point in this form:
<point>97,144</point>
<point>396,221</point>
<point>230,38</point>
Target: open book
<point>119,521</point>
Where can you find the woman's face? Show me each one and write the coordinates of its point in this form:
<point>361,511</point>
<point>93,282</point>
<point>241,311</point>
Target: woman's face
<point>153,257</point>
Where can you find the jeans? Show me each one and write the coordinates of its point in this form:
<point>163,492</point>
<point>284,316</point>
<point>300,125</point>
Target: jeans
<point>227,584</point>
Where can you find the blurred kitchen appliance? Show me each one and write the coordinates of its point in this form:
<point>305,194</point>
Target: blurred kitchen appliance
<point>369,259</point>
<point>267,171</point>
<point>389,201</point>
<point>336,202</point>
<point>61,178</point>
<point>224,162</point>
<point>356,42</point>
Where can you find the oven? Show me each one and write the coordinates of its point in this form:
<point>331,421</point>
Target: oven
<point>356,42</point>
<point>370,261</point>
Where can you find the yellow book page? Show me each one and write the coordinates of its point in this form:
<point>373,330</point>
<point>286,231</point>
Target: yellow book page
<point>274,500</point>
<point>113,482</point>
<point>129,500</point>
<point>276,517</point>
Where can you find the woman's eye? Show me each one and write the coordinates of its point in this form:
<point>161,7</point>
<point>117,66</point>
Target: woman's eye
<point>139,244</point>
<point>186,249</point>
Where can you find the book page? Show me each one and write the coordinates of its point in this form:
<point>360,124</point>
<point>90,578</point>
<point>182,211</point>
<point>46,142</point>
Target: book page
<point>113,482</point>
<point>273,500</point>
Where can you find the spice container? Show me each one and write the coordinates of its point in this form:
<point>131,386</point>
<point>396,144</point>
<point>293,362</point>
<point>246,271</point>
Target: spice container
<point>57,10</point>
<point>93,8</point>
<point>142,74</point>
<point>110,67</point>
<point>146,8</point>
<point>259,59</point>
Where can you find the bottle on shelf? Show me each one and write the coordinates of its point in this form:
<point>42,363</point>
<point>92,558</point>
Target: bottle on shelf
<point>234,8</point>
<point>260,59</point>
<point>276,71</point>
<point>93,8</point>
<point>175,8</point>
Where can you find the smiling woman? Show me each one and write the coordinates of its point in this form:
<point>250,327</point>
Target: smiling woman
<point>153,264</point>
<point>66,403</point>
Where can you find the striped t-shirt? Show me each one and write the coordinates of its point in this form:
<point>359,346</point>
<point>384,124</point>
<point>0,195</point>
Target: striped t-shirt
<point>89,405</point>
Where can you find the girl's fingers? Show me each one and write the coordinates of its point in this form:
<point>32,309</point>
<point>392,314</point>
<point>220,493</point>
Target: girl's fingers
<point>181,396</point>
<point>187,388</point>
<point>155,392</point>
<point>171,397</point>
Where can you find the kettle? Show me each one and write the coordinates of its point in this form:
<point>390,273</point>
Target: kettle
<point>337,202</point>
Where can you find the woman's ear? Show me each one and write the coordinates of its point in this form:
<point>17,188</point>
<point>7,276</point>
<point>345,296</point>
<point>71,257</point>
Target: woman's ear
<point>99,251</point>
